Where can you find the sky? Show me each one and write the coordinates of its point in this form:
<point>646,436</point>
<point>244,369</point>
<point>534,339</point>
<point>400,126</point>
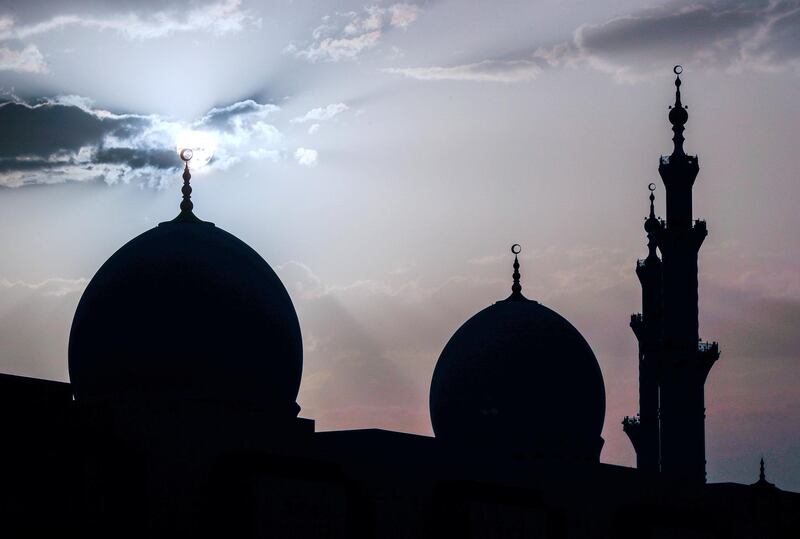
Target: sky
<point>383,156</point>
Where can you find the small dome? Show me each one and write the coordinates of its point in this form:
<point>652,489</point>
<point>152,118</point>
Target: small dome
<point>187,310</point>
<point>519,376</point>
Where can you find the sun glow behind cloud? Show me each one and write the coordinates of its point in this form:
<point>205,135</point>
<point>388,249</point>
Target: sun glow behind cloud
<point>202,143</point>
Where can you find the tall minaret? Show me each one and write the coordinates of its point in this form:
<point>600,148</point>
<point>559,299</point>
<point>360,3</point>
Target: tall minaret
<point>643,430</point>
<point>684,362</point>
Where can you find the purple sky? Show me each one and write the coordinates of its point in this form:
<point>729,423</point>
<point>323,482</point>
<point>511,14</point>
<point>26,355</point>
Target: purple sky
<point>383,156</point>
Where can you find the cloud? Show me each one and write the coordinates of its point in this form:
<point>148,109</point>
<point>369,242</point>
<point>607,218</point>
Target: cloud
<point>27,60</point>
<point>402,15</point>
<point>313,128</point>
<point>484,71</point>
<point>306,157</point>
<point>321,114</point>
<point>218,18</point>
<point>236,114</point>
<point>67,139</point>
<point>726,35</point>
<point>56,286</point>
<point>345,36</point>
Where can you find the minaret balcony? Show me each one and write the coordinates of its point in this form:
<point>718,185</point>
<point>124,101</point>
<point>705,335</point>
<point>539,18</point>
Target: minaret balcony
<point>710,348</point>
<point>633,428</point>
<point>688,159</point>
<point>631,421</point>
<point>648,271</point>
<point>637,325</point>
<point>707,355</point>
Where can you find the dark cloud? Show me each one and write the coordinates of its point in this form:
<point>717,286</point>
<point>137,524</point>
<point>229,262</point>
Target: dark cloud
<point>727,35</point>
<point>137,158</point>
<point>33,11</point>
<point>66,139</point>
<point>684,29</point>
<point>55,141</point>
<point>47,129</point>
<point>722,34</point>
<point>7,165</point>
<point>785,34</point>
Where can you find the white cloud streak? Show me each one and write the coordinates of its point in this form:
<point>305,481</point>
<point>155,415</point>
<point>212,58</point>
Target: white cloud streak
<point>218,18</point>
<point>306,157</point>
<point>321,114</point>
<point>506,71</point>
<point>56,286</point>
<point>345,36</point>
<point>26,60</point>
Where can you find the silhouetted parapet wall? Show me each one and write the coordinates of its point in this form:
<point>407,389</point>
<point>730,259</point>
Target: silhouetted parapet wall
<point>39,477</point>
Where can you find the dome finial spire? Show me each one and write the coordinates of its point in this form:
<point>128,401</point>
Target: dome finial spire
<point>677,114</point>
<point>761,475</point>
<point>516,288</point>
<point>186,206</point>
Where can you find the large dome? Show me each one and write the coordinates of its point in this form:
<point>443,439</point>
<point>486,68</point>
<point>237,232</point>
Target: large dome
<point>519,376</point>
<point>187,310</point>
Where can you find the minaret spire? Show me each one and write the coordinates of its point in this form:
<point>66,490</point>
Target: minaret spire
<point>651,225</point>
<point>678,115</point>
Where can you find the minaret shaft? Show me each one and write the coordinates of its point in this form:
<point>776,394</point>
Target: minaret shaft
<point>684,364</point>
<point>669,434</point>
<point>643,431</point>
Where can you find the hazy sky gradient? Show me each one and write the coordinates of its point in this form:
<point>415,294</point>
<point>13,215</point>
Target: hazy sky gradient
<point>383,156</point>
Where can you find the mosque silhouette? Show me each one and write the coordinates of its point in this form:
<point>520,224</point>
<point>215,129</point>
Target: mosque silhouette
<point>180,420</point>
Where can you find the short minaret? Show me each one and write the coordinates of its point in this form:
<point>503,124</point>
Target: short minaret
<point>762,478</point>
<point>643,429</point>
<point>684,362</point>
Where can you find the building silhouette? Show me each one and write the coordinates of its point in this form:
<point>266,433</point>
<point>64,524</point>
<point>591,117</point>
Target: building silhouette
<point>181,418</point>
